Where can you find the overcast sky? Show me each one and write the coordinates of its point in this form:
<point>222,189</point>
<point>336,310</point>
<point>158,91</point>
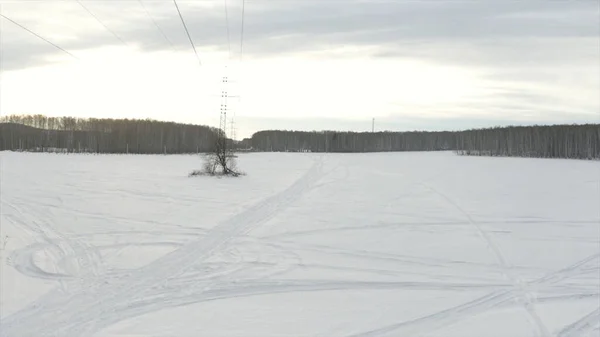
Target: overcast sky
<point>307,64</point>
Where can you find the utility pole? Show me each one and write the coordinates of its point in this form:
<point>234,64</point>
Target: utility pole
<point>373,125</point>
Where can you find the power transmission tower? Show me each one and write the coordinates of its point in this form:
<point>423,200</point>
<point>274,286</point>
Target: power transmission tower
<point>232,126</point>
<point>223,118</point>
<point>223,139</point>
<point>223,152</point>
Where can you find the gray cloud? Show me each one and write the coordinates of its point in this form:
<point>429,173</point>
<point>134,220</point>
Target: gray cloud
<point>490,31</point>
<point>517,45</point>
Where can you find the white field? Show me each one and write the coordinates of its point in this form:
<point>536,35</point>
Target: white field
<point>394,244</point>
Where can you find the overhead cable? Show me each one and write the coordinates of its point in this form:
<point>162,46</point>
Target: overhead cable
<point>100,22</point>
<point>38,36</point>
<point>227,25</point>
<point>242,34</point>
<point>156,24</point>
<point>187,32</point>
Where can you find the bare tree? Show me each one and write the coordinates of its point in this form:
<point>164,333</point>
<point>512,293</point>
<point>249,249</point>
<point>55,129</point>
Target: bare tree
<point>221,160</point>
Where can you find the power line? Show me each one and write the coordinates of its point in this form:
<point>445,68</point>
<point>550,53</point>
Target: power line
<point>38,36</point>
<point>242,34</point>
<point>227,24</point>
<point>100,22</point>
<point>241,54</point>
<point>156,24</point>
<point>187,32</point>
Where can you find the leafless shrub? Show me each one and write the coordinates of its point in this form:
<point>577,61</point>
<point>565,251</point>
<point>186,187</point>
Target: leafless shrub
<point>220,162</point>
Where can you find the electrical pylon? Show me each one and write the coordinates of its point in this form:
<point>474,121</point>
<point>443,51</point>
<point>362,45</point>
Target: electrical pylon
<point>223,118</point>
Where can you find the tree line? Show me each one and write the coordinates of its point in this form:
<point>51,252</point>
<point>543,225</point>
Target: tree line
<point>553,141</point>
<point>93,135</point>
<point>335,141</point>
<point>69,134</point>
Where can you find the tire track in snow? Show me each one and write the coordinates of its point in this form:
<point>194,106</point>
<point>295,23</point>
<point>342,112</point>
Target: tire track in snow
<point>567,272</point>
<point>436,263</point>
<point>245,259</point>
<point>94,305</point>
<point>22,258</point>
<point>442,318</point>
<point>87,263</point>
<point>382,224</point>
<point>159,297</point>
<point>248,289</point>
<point>185,297</point>
<point>583,326</point>
<point>449,316</point>
<point>522,294</point>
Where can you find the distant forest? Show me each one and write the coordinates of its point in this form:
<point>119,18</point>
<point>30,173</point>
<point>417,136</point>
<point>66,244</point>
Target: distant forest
<point>72,135</point>
<point>554,141</point>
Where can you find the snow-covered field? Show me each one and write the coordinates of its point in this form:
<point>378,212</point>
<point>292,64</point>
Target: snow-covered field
<point>323,245</point>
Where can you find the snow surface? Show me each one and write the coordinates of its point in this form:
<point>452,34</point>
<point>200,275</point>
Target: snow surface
<point>324,245</point>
